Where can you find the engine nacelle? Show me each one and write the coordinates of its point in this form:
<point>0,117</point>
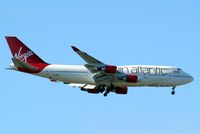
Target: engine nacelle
<point>110,69</point>
<point>92,91</point>
<point>121,90</point>
<point>132,78</point>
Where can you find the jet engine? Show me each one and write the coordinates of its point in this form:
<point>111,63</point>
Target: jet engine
<point>110,69</point>
<point>121,90</point>
<point>132,78</point>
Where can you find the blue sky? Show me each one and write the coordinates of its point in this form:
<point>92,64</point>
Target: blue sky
<point>116,32</point>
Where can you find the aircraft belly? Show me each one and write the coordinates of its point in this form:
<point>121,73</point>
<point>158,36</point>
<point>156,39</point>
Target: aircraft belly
<point>155,81</point>
<point>68,77</point>
<point>75,78</point>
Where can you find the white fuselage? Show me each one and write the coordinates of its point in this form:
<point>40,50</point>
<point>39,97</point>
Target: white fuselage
<point>95,76</point>
<point>158,76</point>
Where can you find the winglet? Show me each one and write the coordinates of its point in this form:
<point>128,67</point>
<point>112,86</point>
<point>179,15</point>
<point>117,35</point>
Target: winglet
<point>75,48</point>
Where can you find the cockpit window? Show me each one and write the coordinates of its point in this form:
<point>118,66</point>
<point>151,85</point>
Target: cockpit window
<point>176,71</point>
<point>179,69</point>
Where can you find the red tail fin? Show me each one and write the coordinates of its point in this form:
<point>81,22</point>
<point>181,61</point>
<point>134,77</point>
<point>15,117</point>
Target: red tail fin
<point>22,52</point>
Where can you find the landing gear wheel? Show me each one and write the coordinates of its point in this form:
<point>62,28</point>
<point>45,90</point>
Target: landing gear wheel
<point>105,94</point>
<point>108,89</point>
<point>173,92</point>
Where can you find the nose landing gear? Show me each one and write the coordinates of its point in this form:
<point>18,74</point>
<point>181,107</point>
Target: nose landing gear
<point>173,91</point>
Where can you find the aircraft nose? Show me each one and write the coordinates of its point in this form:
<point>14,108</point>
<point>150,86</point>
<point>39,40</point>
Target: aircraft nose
<point>190,78</point>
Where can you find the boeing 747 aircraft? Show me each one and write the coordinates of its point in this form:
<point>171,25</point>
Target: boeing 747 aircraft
<point>96,76</point>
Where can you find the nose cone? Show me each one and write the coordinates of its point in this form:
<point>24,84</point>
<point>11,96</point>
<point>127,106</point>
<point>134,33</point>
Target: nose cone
<point>189,78</point>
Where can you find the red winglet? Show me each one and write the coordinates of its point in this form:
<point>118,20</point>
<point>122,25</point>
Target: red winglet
<point>75,48</point>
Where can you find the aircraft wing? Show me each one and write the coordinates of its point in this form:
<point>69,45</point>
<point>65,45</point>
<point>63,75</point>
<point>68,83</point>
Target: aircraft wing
<point>82,85</point>
<point>103,73</point>
<point>89,59</point>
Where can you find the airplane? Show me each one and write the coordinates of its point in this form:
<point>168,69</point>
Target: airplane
<point>95,76</point>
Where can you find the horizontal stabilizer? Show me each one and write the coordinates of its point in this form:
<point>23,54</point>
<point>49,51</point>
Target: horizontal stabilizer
<point>21,64</point>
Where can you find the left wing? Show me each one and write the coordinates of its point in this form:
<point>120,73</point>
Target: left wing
<point>82,85</point>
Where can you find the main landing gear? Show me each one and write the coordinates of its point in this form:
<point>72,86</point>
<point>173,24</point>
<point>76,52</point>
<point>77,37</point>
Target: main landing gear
<point>106,93</point>
<point>102,88</point>
<point>108,89</point>
<point>173,91</point>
